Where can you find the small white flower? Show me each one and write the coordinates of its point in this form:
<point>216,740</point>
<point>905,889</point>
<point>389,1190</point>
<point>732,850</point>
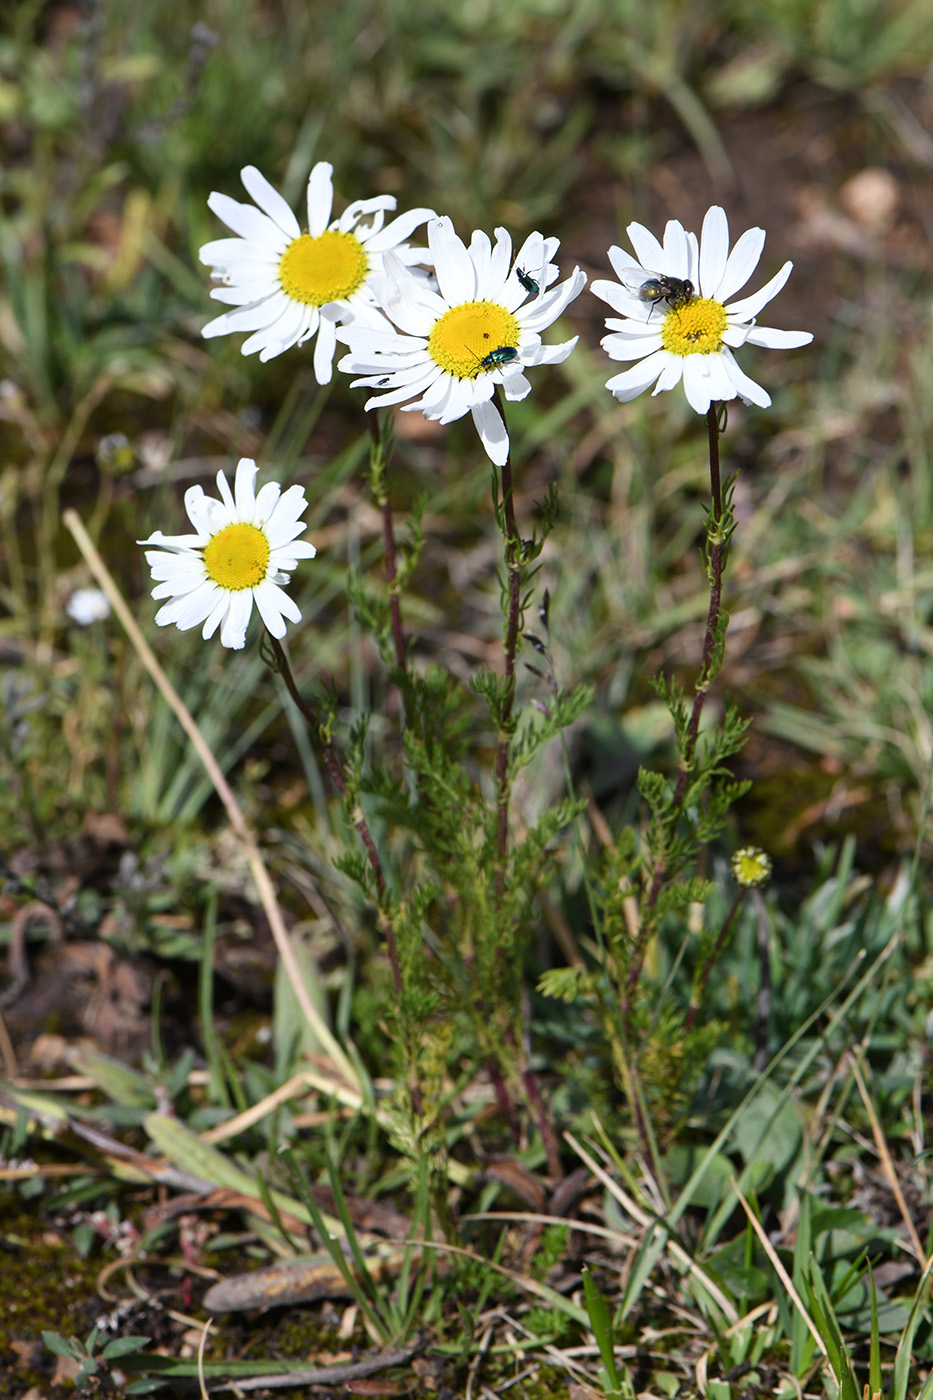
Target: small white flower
<point>87,605</point>
<point>479,329</point>
<point>290,285</point>
<point>690,337</point>
<point>245,546</point>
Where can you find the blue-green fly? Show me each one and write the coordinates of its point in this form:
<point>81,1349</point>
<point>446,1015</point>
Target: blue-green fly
<point>502,355</point>
<point>527,282</point>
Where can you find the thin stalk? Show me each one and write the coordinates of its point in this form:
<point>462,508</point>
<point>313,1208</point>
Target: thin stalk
<point>380,483</point>
<point>513,618</point>
<point>716,552</point>
<point>359,820</point>
<point>696,995</point>
<point>709,666</point>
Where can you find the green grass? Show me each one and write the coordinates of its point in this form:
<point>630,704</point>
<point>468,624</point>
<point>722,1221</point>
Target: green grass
<point>766,1151</point>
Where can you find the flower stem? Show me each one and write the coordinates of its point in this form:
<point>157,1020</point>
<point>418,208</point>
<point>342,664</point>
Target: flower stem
<point>711,649</point>
<point>699,988</point>
<point>359,821</point>
<point>717,542</point>
<point>379,471</point>
<point>513,618</point>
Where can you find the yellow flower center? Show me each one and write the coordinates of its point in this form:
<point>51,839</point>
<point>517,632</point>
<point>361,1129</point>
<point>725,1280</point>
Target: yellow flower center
<point>330,267</point>
<point>695,328</point>
<point>751,866</point>
<point>237,557</point>
<point>465,340</point>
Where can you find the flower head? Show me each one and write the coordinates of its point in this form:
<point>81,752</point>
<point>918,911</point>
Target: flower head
<point>751,867</point>
<point>244,547</point>
<point>688,330</point>
<point>87,605</point>
<point>480,328</point>
<point>289,286</point>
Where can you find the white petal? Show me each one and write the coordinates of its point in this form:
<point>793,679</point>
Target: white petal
<point>500,265</point>
<point>264,506</point>
<point>224,510</point>
<point>175,542</point>
<point>748,308</point>
<point>742,263</point>
<point>463,394</point>
<point>234,253</point>
<point>244,495</point>
<point>324,348</point>
<point>746,388</point>
<point>433,402</point>
<point>274,606</point>
<point>359,208</point>
<point>296,323</point>
<point>200,511</point>
<point>623,262</point>
<point>492,432</point>
<point>676,262</point>
<point>550,354</point>
<point>248,222</point>
<point>233,631</point>
<point>456,276</point>
<point>175,576</point>
<point>517,387</point>
<point>270,201</point>
<point>542,312</point>
<point>736,336</point>
<point>714,250</point>
<point>259,316</point>
<point>399,230</point>
<point>411,306</point>
<point>630,347</point>
<point>778,340</point>
<point>671,374</point>
<point>616,295</point>
<point>649,250</point>
<point>320,197</point>
<point>696,383</point>
<point>287,558</point>
<point>188,611</point>
<point>720,379</point>
<point>284,521</point>
<point>480,254</point>
<point>632,382</point>
<point>404,391</point>
<point>253,292</point>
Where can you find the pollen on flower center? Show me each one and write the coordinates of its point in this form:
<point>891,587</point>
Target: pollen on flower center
<point>464,338</point>
<point>330,267</point>
<point>695,328</point>
<point>237,557</point>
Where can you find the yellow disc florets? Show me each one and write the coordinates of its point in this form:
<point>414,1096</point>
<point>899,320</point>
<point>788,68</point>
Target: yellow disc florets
<point>751,866</point>
<point>237,557</point>
<point>464,341</point>
<point>694,327</point>
<point>330,267</point>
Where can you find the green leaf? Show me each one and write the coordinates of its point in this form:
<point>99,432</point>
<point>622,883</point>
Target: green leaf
<point>122,1346</point>
<point>598,1311</point>
<point>63,1346</point>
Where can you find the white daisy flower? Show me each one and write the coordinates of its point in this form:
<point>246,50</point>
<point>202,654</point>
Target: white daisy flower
<point>478,330</point>
<point>87,605</point>
<point>244,547</point>
<point>289,285</point>
<point>676,317</point>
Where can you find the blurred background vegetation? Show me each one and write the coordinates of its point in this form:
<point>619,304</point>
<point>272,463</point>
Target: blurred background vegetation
<point>812,120</point>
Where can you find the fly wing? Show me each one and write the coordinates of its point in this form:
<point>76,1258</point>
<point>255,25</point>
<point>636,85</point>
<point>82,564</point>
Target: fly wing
<point>646,286</point>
